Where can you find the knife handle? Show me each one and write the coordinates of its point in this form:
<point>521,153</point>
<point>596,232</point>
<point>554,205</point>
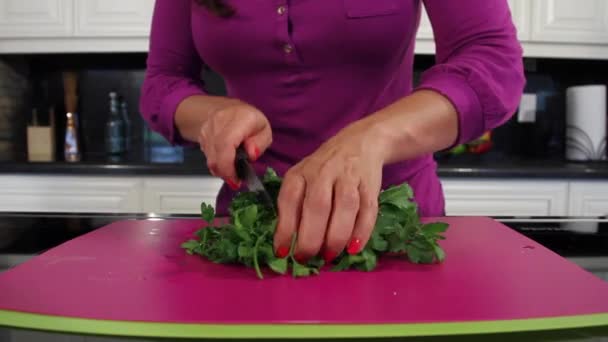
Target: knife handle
<point>240,162</point>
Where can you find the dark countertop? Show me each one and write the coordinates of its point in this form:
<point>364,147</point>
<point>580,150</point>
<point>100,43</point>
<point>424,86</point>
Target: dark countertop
<point>170,161</point>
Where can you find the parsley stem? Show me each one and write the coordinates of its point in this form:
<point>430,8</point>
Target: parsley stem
<point>256,264</point>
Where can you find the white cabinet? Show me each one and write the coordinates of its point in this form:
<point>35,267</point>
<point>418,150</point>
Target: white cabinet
<point>179,195</point>
<point>64,26</point>
<point>570,21</point>
<point>425,29</point>
<point>520,11</point>
<point>70,194</point>
<point>35,18</point>
<point>113,18</point>
<point>162,195</point>
<point>548,28</point>
<point>588,198</point>
<point>505,197</point>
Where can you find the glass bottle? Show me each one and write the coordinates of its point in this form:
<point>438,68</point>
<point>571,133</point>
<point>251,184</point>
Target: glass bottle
<point>115,128</point>
<point>71,146</point>
<point>124,111</point>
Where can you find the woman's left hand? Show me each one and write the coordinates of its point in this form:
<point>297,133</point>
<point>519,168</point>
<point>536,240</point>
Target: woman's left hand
<point>330,198</point>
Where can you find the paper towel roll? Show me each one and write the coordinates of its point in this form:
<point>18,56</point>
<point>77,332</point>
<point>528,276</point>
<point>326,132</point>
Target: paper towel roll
<point>586,122</point>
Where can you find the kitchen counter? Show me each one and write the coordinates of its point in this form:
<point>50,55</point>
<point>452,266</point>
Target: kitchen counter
<point>188,161</point>
<point>31,233</point>
<point>583,241</point>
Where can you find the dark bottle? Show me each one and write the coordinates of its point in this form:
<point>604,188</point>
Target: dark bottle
<point>124,112</point>
<point>115,128</point>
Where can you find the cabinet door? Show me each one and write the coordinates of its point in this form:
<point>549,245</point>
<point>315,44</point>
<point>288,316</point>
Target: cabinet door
<point>35,18</point>
<point>520,11</point>
<point>179,195</point>
<point>113,18</point>
<point>570,21</point>
<point>588,198</point>
<point>425,30</point>
<point>505,198</point>
<point>70,194</point>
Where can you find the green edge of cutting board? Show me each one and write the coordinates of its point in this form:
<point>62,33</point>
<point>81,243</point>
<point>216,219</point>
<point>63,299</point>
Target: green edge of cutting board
<point>23,320</point>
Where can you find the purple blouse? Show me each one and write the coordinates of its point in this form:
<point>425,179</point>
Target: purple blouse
<point>312,67</point>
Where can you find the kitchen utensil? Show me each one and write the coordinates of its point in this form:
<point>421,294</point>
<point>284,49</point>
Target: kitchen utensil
<point>586,123</point>
<point>246,172</point>
<point>498,281</point>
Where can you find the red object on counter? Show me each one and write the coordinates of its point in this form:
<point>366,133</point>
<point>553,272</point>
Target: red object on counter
<point>136,271</point>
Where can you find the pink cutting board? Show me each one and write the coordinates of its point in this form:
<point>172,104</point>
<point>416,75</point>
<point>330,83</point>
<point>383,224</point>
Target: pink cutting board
<point>136,271</point>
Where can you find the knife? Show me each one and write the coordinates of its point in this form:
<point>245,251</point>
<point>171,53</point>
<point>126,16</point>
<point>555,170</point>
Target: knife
<point>246,173</point>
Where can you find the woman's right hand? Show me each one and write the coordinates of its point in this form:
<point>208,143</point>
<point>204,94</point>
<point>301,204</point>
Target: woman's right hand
<point>225,129</point>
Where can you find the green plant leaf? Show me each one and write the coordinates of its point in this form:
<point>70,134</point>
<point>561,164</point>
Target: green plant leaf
<point>398,196</point>
<point>278,265</point>
<point>246,217</point>
<point>207,212</point>
<point>300,270</point>
<point>439,253</point>
<point>271,176</point>
<point>248,238</point>
<point>377,242</point>
<point>316,262</point>
<point>434,228</point>
<point>369,260</point>
<point>244,251</point>
<point>427,256</point>
<point>414,254</point>
<point>347,261</point>
<point>190,244</point>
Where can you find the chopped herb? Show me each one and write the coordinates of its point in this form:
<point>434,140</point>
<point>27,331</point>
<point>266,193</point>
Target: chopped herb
<point>247,239</point>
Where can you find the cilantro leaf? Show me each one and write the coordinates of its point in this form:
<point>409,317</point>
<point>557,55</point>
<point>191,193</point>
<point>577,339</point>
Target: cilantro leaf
<point>190,245</point>
<point>246,217</point>
<point>248,238</point>
<point>398,196</point>
<point>434,228</point>
<point>207,212</point>
<point>439,253</point>
<point>278,265</point>
<point>300,270</point>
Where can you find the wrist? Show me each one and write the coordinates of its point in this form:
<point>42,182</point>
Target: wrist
<point>421,123</point>
<point>194,111</point>
<point>392,141</point>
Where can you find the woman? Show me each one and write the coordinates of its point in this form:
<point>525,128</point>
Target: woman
<point>322,92</point>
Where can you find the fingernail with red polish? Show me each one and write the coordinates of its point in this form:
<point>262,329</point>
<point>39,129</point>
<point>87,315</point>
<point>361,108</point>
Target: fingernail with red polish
<point>300,259</point>
<point>282,252</point>
<point>233,185</point>
<point>256,152</point>
<point>354,246</point>
<point>329,256</point>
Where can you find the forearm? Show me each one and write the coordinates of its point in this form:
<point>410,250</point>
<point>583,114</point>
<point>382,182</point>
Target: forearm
<point>193,111</point>
<point>421,123</point>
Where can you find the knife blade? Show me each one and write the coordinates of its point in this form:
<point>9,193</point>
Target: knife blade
<point>246,173</point>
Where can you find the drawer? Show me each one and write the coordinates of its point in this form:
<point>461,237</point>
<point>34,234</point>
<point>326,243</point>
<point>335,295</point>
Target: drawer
<point>489,197</point>
<point>70,194</point>
<point>179,195</point>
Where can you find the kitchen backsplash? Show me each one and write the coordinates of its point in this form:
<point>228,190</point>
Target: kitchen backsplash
<point>35,81</point>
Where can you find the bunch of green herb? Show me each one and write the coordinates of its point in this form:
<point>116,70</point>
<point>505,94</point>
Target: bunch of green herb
<point>248,236</point>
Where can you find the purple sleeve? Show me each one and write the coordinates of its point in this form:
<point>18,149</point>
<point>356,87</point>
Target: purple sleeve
<point>173,68</point>
<point>479,62</point>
